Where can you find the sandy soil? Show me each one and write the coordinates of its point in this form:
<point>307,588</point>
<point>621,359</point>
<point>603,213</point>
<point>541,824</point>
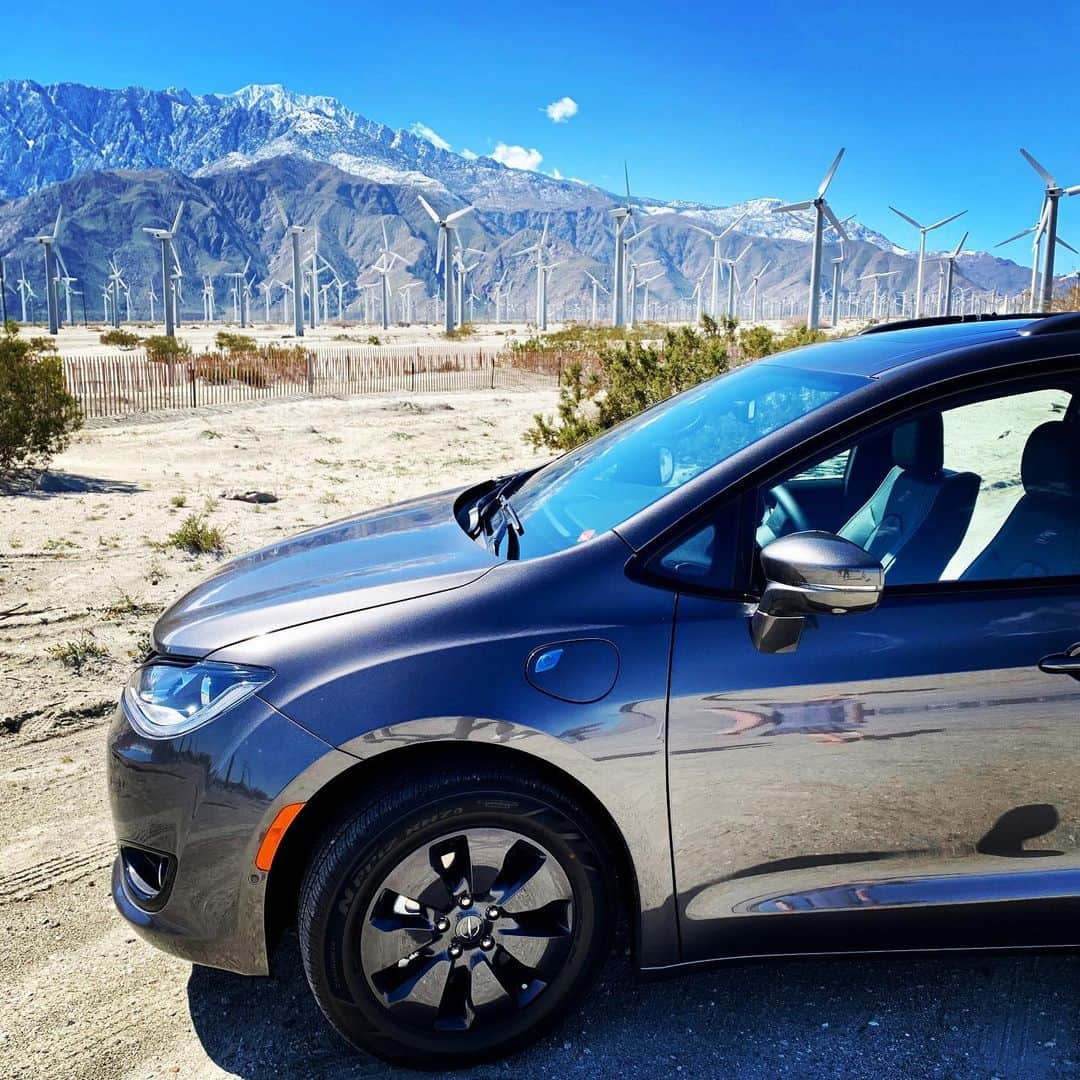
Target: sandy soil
<point>82,567</point>
<point>80,996</point>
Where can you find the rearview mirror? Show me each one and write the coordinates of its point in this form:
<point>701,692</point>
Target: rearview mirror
<point>811,573</point>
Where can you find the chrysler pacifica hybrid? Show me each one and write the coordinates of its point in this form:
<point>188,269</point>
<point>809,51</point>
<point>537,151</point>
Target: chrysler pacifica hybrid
<point>784,665</point>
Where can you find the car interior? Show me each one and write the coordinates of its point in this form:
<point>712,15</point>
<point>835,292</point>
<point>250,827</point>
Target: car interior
<point>1012,510</point>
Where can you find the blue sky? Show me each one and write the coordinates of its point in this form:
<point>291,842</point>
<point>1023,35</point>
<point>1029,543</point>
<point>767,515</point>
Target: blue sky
<point>712,102</point>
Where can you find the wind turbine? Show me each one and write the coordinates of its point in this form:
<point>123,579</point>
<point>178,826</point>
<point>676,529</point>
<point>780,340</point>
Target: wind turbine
<point>405,292</point>
<point>443,254</point>
<point>1049,215</point>
<point>383,265</point>
<point>68,281</point>
<point>878,277</point>
<point>945,278</point>
<point>26,291</point>
<point>716,260</point>
<point>293,232</point>
<point>463,273</point>
<point>644,286</point>
<point>499,294</point>
<point>733,278</point>
<point>52,298</point>
<point>208,298</point>
<point>597,288</point>
<point>1038,229</point>
<point>754,290</point>
<point>822,210</point>
<point>635,267</point>
<point>540,249</point>
<point>165,237</point>
<point>152,296</point>
<point>622,215</point>
<point>923,230</point>
<point>116,283</point>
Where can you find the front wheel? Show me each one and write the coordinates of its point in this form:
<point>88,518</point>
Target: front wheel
<point>454,919</point>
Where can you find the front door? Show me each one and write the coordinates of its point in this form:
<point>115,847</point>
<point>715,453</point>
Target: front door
<point>903,761</point>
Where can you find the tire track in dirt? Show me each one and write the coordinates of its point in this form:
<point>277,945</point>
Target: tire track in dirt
<point>59,870</point>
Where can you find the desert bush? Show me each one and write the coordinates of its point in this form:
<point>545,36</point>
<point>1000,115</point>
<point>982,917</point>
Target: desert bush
<point>37,414</point>
<point>165,349</point>
<point>124,338</point>
<point>198,536</point>
<point>235,343</point>
<point>11,326</point>
<point>463,331</point>
<point>78,653</point>
<point>373,339</point>
<point>626,379</point>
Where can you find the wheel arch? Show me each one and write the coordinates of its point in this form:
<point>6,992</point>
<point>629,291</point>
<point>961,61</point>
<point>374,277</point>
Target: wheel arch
<point>332,800</point>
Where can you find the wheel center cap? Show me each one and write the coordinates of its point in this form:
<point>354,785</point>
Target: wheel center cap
<point>469,927</point>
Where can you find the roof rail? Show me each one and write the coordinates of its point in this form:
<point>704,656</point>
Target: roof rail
<point>1059,322</point>
<point>951,320</point>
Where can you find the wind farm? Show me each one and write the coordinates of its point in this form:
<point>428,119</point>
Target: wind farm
<point>323,270</point>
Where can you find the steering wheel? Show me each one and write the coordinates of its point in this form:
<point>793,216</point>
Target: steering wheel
<point>783,498</point>
<point>780,504</point>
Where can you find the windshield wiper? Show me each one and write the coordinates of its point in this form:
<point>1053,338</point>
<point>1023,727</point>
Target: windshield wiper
<point>487,505</point>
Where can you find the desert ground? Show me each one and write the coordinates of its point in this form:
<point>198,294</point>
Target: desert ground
<point>83,574</point>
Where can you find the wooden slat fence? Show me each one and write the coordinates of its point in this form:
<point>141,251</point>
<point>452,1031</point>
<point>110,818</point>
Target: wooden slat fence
<point>124,383</point>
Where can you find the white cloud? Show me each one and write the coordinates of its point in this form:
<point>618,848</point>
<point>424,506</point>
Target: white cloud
<point>422,131</point>
<point>469,155</point>
<point>560,111</point>
<point>517,157</point>
<point>556,175</point>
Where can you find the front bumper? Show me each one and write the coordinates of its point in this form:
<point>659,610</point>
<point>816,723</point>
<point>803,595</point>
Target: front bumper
<point>206,799</point>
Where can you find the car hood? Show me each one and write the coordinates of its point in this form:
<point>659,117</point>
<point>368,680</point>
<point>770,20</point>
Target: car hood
<point>396,553</point>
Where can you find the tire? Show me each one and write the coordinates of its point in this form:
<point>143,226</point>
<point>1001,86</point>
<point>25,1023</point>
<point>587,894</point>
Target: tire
<point>435,983</point>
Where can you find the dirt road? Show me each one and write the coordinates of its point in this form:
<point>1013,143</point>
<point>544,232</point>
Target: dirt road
<point>80,996</point>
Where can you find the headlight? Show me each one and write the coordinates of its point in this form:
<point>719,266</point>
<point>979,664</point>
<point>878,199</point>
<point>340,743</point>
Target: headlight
<point>171,699</point>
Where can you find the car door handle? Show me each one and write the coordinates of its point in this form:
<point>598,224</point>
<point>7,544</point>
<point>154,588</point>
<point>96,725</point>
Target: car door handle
<point>1066,663</point>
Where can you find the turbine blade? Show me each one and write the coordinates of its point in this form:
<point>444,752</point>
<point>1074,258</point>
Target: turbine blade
<point>1016,236</point>
<point>830,174</point>
<point>1047,178</point>
<point>732,226</point>
<point>828,212</point>
<point>176,220</point>
<point>945,221</point>
<point>957,249</point>
<point>56,227</point>
<point>385,241</point>
<point>1065,244</point>
<point>458,213</point>
<point>792,206</point>
<point>427,206</point>
<point>909,220</point>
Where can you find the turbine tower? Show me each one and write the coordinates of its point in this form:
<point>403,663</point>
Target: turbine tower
<point>716,260</point>
<point>923,230</point>
<point>754,290</point>
<point>444,255</point>
<point>945,278</point>
<point>52,296</point>
<point>597,288</point>
<point>878,278</point>
<point>383,265</point>
<point>293,232</point>
<point>622,215</point>
<point>1049,216</point>
<point>540,250</point>
<point>733,279</point>
<point>165,238</point>
<point>1038,229</point>
<point>822,210</point>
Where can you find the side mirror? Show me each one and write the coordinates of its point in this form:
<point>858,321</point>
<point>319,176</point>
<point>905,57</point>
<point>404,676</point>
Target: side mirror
<point>811,573</point>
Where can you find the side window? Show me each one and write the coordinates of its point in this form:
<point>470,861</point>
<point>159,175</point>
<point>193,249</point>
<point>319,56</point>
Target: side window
<point>1026,518</point>
<point>980,492</point>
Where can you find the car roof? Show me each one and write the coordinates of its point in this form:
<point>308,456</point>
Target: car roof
<point>873,354</point>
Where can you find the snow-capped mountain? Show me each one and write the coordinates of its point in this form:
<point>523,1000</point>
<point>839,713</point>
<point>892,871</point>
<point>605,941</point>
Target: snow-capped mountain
<point>119,159</point>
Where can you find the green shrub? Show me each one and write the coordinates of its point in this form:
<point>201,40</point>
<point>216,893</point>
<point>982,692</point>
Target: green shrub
<point>627,378</point>
<point>198,536</point>
<point>11,326</point>
<point>124,338</point>
<point>240,343</point>
<point>373,339</point>
<point>78,653</point>
<point>163,349</point>
<point>37,414</point>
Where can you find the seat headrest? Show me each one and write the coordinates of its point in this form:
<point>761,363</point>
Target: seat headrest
<point>1051,461</point>
<point>919,445</point>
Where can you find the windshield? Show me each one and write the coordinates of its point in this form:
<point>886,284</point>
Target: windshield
<point>609,479</point>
